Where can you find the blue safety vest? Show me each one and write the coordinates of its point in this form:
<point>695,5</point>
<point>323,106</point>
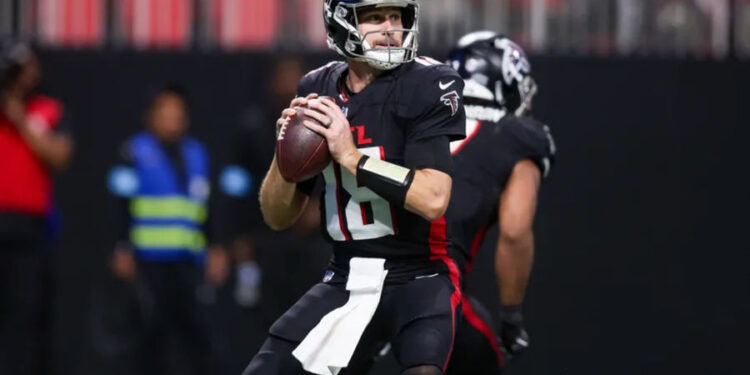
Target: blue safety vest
<point>167,213</point>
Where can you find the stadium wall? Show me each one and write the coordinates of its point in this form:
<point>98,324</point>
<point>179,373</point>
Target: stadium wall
<point>641,247</point>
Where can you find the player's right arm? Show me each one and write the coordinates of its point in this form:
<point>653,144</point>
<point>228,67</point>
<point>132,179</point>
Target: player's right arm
<point>282,202</point>
<point>529,144</point>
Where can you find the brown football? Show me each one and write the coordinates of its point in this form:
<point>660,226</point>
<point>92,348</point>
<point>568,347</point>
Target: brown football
<point>300,152</point>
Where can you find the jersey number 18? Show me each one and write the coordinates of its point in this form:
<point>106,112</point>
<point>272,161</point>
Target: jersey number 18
<point>366,214</point>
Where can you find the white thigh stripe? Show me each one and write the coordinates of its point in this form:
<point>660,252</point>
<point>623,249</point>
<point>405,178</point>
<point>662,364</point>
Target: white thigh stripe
<point>329,346</point>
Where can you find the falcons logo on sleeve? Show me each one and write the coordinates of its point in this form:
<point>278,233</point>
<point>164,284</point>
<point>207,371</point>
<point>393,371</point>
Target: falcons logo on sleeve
<point>451,99</point>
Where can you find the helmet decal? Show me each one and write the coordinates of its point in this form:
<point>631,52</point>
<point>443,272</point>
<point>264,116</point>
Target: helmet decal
<point>498,64</point>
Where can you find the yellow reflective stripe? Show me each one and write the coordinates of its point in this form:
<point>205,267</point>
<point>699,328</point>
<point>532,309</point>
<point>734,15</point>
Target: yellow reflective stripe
<point>167,237</point>
<point>167,208</point>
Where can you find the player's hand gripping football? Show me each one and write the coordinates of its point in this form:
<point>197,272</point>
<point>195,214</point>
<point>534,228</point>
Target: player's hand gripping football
<point>335,129</point>
<point>513,336</point>
<point>291,110</point>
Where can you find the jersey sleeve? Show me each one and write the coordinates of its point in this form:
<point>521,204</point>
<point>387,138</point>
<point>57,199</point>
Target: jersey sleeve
<point>525,138</point>
<point>306,85</point>
<point>313,81</point>
<point>432,153</point>
<point>436,105</point>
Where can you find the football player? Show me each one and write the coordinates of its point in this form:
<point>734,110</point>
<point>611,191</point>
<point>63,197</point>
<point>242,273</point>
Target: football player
<point>388,116</point>
<point>498,169</point>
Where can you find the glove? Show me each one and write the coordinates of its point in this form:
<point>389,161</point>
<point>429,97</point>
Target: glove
<point>513,336</point>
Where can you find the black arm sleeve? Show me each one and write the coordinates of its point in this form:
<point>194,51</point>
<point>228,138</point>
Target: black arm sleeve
<point>433,153</point>
<point>437,109</point>
<point>525,138</point>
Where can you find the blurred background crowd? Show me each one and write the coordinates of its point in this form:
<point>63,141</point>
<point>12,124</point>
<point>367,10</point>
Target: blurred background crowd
<point>700,28</point>
<point>647,99</point>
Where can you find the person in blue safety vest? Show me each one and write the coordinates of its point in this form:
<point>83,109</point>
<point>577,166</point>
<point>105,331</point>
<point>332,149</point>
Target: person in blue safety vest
<point>162,185</point>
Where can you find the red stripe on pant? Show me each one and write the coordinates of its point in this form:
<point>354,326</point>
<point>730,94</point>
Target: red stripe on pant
<point>439,251</point>
<point>471,316</point>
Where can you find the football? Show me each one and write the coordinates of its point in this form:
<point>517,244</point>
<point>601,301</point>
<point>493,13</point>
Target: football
<point>300,152</point>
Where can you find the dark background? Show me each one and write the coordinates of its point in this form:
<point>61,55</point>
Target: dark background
<point>641,254</point>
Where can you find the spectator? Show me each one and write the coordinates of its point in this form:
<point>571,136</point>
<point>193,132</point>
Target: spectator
<point>162,185</point>
<point>32,142</point>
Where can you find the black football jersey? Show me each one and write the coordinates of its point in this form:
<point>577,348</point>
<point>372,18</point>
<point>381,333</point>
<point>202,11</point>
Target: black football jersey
<point>412,103</point>
<point>483,163</point>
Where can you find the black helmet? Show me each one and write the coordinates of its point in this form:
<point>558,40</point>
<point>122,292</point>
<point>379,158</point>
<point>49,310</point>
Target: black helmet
<point>495,69</point>
<point>341,23</point>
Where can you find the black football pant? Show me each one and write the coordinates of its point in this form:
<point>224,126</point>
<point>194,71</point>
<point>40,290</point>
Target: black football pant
<point>416,317</point>
<point>476,350</point>
<point>24,305</point>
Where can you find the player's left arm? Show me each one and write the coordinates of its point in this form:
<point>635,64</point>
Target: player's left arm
<point>429,193</point>
<point>423,191</point>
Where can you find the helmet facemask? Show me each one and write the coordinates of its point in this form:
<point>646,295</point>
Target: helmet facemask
<point>342,24</point>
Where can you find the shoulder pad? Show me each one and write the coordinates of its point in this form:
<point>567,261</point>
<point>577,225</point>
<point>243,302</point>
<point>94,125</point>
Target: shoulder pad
<point>427,66</point>
<point>533,140</point>
<point>331,65</point>
<point>311,81</point>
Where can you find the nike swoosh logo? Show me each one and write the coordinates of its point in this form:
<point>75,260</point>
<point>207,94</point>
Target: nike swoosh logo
<point>444,86</point>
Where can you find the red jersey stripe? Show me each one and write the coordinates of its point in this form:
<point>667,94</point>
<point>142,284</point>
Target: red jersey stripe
<point>339,202</point>
<point>475,244</point>
<point>467,139</point>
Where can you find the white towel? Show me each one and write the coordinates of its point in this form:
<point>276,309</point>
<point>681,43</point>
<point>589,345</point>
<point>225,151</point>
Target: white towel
<point>329,346</point>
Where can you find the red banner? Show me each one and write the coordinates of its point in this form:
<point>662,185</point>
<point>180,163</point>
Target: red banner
<point>158,23</point>
<point>246,24</point>
<point>71,23</point>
